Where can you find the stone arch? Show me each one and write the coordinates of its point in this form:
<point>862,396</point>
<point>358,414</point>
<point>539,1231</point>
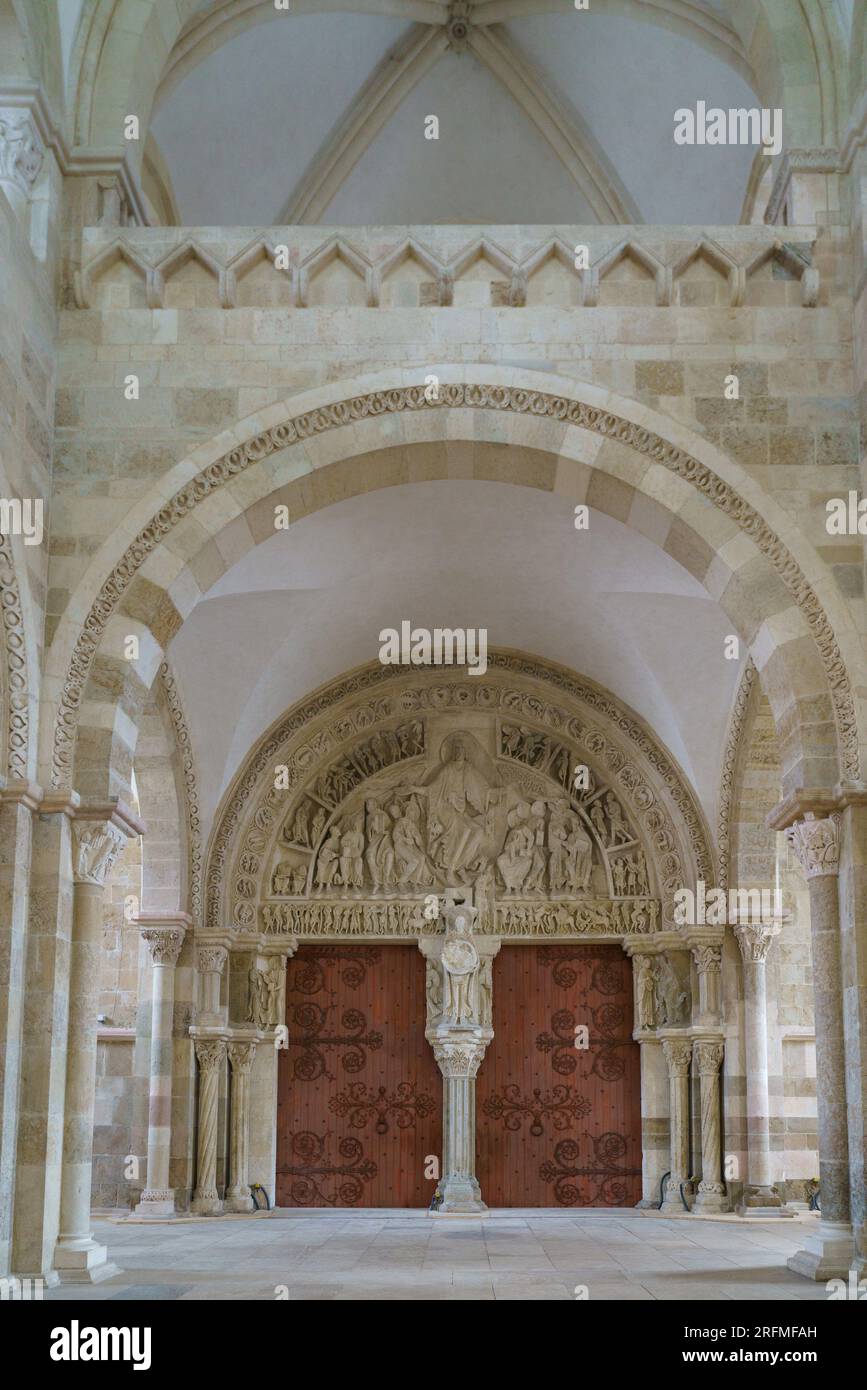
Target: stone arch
<point>168,800</point>
<point>507,425</point>
<point>547,720</point>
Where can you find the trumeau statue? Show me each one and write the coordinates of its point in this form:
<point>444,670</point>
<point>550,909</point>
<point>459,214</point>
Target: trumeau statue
<point>499,829</point>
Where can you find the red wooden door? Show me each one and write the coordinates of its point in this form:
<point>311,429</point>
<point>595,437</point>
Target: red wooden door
<point>557,1125</point>
<point>359,1106</point>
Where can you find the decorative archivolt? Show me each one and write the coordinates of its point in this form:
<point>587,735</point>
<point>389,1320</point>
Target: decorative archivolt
<point>302,268</point>
<point>401,785</point>
<point>453,395</point>
<point>729,769</point>
<point>191,788</point>
<point>14,686</point>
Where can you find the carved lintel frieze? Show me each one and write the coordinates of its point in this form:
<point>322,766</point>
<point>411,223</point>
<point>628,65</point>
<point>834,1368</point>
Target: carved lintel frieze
<point>816,843</point>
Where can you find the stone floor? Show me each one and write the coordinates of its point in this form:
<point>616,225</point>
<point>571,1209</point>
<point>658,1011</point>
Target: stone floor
<point>399,1254</point>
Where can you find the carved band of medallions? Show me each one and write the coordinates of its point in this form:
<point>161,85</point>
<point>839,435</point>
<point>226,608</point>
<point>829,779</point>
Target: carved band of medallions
<point>603,1178</point>
<point>604,1061</point>
<point>453,395</point>
<point>15,661</point>
<point>255,810</point>
<point>309,1032</point>
<point>558,1105</point>
<point>191,789</point>
<point>729,768</point>
<point>360,1104</point>
<point>314,1171</point>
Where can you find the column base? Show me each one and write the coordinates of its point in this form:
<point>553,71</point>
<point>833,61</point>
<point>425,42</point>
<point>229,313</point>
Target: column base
<point>461,1196</point>
<point>672,1201</point>
<point>207,1204</point>
<point>239,1199</point>
<point>762,1201</point>
<point>81,1260</point>
<point>157,1203</point>
<point>827,1255</point>
<point>711,1199</point>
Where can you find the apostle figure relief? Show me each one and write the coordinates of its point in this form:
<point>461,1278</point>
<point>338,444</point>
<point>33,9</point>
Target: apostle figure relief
<point>368,828</point>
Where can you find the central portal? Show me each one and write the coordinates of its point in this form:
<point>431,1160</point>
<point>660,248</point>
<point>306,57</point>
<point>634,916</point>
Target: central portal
<point>359,1111</point>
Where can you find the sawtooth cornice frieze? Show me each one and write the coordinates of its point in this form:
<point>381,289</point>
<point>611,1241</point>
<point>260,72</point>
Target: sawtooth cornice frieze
<point>453,395</point>
<point>361,742</point>
<point>517,253</point>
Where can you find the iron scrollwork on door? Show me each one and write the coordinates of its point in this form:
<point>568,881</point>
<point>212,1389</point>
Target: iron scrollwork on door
<point>314,1172</point>
<point>559,1105</point>
<point>604,1180</point>
<point>360,1104</point>
<point>310,1020</point>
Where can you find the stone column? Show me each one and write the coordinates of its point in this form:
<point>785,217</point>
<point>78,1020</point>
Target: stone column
<point>828,1253</point>
<point>18,801</point>
<point>853,942</point>
<point>211,1057</point>
<point>654,1075</point>
<point>98,841</point>
<point>459,1058</point>
<point>711,1197</point>
<point>241,1055</point>
<point>678,1051</point>
<point>759,1198</point>
<point>459,993</point>
<point>164,937</point>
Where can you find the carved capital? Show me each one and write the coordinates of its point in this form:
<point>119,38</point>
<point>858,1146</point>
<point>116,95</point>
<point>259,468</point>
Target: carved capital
<point>21,151</point>
<point>459,1058</point>
<point>164,943</point>
<point>97,846</point>
<point>212,958</point>
<point>816,843</point>
<point>708,1057</point>
<point>754,939</point>
<point>708,959</point>
<point>678,1052</point>
<point>241,1056</point>
<point>210,1053</point>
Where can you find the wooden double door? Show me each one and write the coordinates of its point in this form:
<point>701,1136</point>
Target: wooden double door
<point>359,1110</point>
<point>559,1124</point>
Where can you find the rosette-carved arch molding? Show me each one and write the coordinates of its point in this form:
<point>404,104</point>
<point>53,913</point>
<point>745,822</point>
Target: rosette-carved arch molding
<point>427,707</point>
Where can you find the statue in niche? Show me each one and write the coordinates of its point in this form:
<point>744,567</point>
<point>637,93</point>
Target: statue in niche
<point>351,855</point>
<point>433,990</point>
<point>379,854</point>
<point>409,850</point>
<point>672,999</point>
<point>329,859</point>
<point>579,857</point>
<point>597,818</point>
<point>515,861</point>
<point>300,832</point>
<point>257,998</point>
<point>648,985</point>
<point>460,961</point>
<point>458,800</point>
<point>317,825</point>
<point>486,992</point>
<point>619,831</point>
<point>536,877</point>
